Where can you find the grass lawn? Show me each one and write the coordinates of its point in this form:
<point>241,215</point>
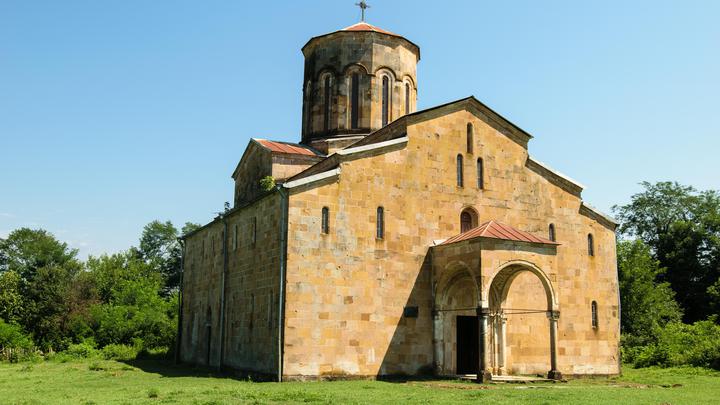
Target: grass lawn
<point>110,382</point>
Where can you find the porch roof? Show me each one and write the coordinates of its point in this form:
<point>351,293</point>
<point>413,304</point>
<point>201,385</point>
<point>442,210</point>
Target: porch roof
<point>495,230</point>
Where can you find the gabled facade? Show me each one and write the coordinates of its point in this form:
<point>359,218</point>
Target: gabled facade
<point>434,244</point>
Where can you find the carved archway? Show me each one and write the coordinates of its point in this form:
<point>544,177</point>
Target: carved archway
<point>497,295</point>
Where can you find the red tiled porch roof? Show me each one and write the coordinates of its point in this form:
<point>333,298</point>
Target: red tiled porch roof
<point>496,230</point>
<point>285,147</point>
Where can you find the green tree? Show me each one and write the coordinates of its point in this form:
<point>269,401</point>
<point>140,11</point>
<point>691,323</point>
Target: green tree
<point>647,305</point>
<point>26,250</point>
<point>10,297</point>
<point>682,227</point>
<point>159,247</point>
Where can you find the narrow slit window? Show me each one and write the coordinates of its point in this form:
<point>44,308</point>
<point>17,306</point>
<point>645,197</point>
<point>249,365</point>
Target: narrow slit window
<point>254,230</point>
<point>480,174</point>
<point>590,245</point>
<point>380,223</point>
<point>235,237</point>
<point>325,220</point>
<point>407,98</point>
<point>385,100</point>
<point>328,106</point>
<point>470,138</point>
<point>355,101</point>
<point>551,232</point>
<point>459,170</point>
<point>594,309</point>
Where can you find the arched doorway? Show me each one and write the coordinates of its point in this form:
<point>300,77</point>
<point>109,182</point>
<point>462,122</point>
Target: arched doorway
<point>522,321</point>
<point>456,338</point>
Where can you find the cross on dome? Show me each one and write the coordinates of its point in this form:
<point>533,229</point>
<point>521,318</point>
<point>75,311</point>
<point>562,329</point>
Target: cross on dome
<point>363,6</point>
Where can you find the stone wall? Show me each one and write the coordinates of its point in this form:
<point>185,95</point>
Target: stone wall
<point>251,289</point>
<point>347,290</point>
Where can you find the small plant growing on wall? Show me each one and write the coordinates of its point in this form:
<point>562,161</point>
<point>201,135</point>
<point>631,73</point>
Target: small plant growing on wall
<point>267,183</point>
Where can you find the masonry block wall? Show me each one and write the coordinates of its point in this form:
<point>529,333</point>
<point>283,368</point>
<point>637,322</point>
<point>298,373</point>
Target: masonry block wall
<point>251,289</point>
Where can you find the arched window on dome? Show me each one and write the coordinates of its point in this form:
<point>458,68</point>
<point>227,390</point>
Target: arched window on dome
<point>327,108</point>
<point>470,138</point>
<point>480,174</point>
<point>355,101</point>
<point>385,100</point>
<point>459,168</point>
<point>408,92</point>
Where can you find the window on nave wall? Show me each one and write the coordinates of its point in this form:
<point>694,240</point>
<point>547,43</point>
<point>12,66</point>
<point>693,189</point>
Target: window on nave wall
<point>590,245</point>
<point>468,220</point>
<point>380,223</point>
<point>551,232</point>
<point>480,174</point>
<point>325,220</point>
<point>459,169</point>
<point>470,138</point>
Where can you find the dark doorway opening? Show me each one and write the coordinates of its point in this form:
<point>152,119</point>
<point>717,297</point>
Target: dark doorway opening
<point>467,344</point>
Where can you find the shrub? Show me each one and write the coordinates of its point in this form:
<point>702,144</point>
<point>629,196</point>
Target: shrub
<point>119,352</point>
<point>15,345</point>
<point>84,350</point>
<point>679,344</point>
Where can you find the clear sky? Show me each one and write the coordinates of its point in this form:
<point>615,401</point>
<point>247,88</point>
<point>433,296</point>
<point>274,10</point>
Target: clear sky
<point>115,113</point>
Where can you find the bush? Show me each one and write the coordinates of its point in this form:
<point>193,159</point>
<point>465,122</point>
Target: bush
<point>15,345</point>
<point>84,350</point>
<point>119,352</point>
<point>679,344</point>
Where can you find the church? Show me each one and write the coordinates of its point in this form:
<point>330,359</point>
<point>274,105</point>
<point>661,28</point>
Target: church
<point>395,241</point>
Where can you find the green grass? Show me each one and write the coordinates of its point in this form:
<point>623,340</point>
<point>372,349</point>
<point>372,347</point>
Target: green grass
<point>110,382</point>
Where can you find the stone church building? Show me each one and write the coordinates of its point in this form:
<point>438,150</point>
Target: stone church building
<point>399,242</point>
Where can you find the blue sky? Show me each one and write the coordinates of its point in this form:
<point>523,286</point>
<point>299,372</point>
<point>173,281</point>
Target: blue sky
<point>115,113</point>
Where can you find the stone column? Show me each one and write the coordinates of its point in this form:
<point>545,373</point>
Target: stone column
<point>554,373</point>
<point>502,341</point>
<point>482,374</point>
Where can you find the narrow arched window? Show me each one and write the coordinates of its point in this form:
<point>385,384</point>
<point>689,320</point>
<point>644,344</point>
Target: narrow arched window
<point>470,136</point>
<point>594,309</point>
<point>551,232</point>
<point>591,245</point>
<point>328,105</point>
<point>459,170</point>
<point>325,220</point>
<point>407,98</point>
<point>253,236</point>
<point>380,223</point>
<point>480,174</point>
<point>465,222</point>
<point>385,100</point>
<point>355,101</point>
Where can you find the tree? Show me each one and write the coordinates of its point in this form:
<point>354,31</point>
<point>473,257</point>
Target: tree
<point>10,297</point>
<point>646,304</point>
<point>159,247</point>
<point>190,227</point>
<point>26,250</point>
<point>682,228</point>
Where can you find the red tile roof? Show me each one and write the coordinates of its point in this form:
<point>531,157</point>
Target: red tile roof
<point>363,26</point>
<point>496,230</point>
<point>284,147</point>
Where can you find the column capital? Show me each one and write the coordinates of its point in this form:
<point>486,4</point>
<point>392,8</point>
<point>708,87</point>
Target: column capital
<point>482,311</point>
<point>553,315</point>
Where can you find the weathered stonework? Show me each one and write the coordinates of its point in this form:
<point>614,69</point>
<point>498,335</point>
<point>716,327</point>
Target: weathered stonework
<point>351,304</point>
